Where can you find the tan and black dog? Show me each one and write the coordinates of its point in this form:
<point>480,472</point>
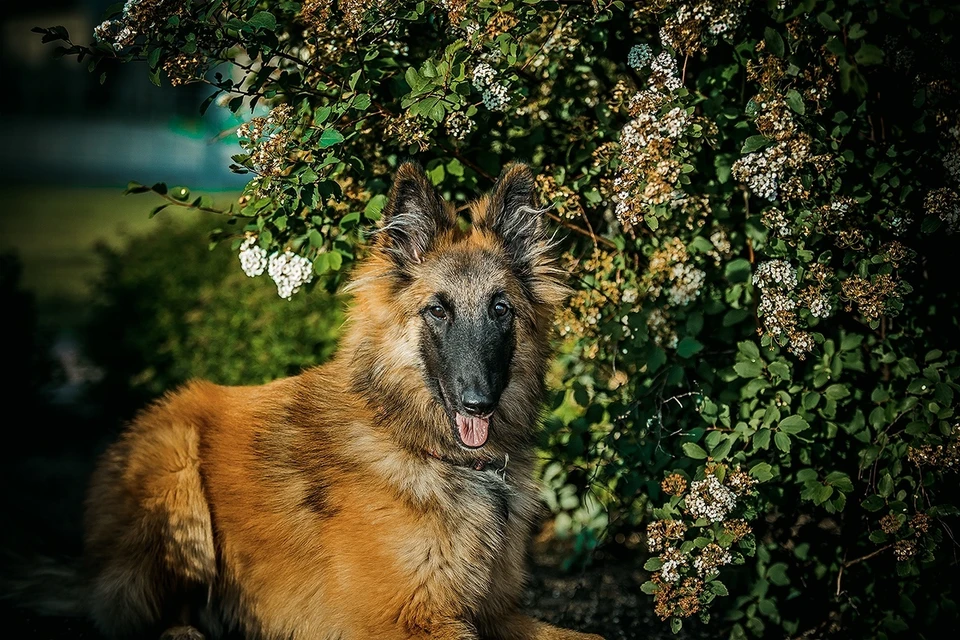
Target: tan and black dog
<point>385,495</point>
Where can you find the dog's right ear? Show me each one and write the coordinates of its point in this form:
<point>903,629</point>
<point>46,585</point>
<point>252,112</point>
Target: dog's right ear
<point>415,214</point>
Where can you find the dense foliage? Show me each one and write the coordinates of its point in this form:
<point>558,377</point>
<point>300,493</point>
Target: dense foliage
<point>760,365</point>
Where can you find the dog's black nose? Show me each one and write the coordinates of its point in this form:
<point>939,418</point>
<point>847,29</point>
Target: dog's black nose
<point>476,402</point>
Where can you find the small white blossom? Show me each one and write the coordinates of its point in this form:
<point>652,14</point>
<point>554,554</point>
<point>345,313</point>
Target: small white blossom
<point>290,272</point>
<point>709,499</point>
<point>673,559</point>
<point>820,307</point>
<point>483,75</point>
<point>640,56</point>
<point>686,284</point>
<point>775,273</point>
<point>495,97</point>
<point>253,259</point>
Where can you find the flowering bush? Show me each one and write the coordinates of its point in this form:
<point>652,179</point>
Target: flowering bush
<point>758,368</point>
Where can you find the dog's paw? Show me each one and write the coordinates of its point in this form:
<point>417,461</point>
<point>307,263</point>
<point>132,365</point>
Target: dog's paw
<point>184,632</point>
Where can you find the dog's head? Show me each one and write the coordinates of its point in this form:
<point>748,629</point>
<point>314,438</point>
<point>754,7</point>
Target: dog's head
<point>470,307</point>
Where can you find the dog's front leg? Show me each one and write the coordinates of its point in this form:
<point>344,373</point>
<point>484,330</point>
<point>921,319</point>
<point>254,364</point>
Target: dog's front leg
<point>444,629</point>
<point>520,627</point>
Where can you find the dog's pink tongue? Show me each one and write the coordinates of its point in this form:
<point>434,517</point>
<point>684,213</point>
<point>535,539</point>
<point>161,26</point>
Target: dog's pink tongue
<point>473,431</point>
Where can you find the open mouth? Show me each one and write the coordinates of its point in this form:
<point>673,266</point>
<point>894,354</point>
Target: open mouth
<point>472,430</point>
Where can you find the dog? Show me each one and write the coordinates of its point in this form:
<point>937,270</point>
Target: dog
<point>388,494</point>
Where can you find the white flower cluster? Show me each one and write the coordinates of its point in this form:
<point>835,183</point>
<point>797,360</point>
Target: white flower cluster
<point>773,273</point>
<point>673,559</point>
<point>640,56</point>
<point>674,122</point>
<point>820,307</point>
<point>664,69</point>
<point>761,171</point>
<point>709,499</point>
<point>483,75</point>
<point>662,329</point>
<point>138,16</point>
<point>721,242</point>
<point>711,558</point>
<point>776,221</point>
<point>801,343</point>
<point>494,94</point>
<point>253,259</point>
<point>773,300</point>
<point>725,20</point>
<point>290,272</point>
<point>951,162</point>
<point>687,280</point>
<point>495,97</point>
<point>459,126</point>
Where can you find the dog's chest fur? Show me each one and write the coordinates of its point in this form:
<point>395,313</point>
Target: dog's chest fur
<point>424,534</point>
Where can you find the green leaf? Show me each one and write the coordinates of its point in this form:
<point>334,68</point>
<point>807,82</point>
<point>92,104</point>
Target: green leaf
<point>361,102</point>
<point>836,392</point>
<point>761,439</point>
<point>774,41</point>
<point>693,450</point>
<point>648,587</point>
<point>777,574</point>
<point>840,480</point>
<point>676,624</point>
<point>828,22</point>
<point>263,20</point>
<point>755,143</point>
<point>653,564</point>
<point>793,424</point>
<point>795,101</point>
<point>748,369</point>
<point>375,206</point>
<point>868,54</point>
<point>779,369</point>
<point>330,137</point>
<point>782,441</point>
<point>885,486</point>
<point>321,264</point>
<point>738,270</point>
<point>822,494</point>
<point>762,471</point>
<point>688,347</point>
<point>718,588</point>
<point>335,260</point>
<point>873,503</point>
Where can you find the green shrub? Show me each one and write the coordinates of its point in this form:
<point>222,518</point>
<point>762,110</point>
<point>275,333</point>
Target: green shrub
<point>759,367</point>
<point>168,310</point>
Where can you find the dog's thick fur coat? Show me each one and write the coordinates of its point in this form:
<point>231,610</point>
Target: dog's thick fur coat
<point>339,504</point>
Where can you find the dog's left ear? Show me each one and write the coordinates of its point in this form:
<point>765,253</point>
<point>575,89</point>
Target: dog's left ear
<point>512,214</point>
<point>415,214</point>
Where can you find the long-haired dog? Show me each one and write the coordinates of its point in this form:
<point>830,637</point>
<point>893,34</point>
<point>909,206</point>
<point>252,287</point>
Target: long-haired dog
<point>385,495</point>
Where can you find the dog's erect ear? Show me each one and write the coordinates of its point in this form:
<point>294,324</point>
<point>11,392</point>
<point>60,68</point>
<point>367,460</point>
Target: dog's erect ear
<point>413,216</point>
<point>513,214</point>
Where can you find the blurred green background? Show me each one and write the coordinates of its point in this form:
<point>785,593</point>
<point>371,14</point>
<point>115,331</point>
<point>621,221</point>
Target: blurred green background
<point>105,307</point>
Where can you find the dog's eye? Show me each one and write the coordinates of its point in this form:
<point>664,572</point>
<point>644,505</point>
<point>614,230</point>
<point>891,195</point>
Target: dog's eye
<point>438,312</point>
<point>501,309</point>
